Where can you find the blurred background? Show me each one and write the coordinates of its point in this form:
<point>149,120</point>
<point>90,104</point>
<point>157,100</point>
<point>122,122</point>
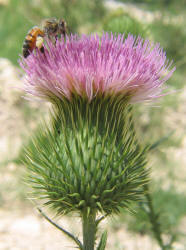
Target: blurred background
<point>162,21</point>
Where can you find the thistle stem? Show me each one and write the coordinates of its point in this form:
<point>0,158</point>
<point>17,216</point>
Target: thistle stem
<point>154,219</point>
<point>89,230</point>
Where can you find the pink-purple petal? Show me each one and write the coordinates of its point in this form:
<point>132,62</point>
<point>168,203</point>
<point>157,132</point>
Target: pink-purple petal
<point>92,65</point>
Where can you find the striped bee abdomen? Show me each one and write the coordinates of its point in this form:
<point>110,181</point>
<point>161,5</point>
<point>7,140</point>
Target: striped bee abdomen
<point>30,41</point>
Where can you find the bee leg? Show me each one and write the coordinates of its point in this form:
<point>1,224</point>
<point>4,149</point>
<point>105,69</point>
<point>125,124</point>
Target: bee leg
<point>56,37</point>
<point>26,53</point>
<point>42,50</point>
<point>54,40</point>
<point>39,43</point>
<point>26,49</point>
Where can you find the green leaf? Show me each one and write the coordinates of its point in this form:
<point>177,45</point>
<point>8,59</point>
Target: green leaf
<point>160,141</point>
<point>103,241</point>
<point>68,234</point>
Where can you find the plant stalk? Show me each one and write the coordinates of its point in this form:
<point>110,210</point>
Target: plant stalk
<point>89,230</point>
<point>154,219</point>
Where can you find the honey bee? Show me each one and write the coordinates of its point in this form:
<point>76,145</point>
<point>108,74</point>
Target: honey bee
<point>51,28</point>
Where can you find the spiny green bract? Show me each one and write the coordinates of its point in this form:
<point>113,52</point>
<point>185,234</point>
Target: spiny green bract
<point>89,157</point>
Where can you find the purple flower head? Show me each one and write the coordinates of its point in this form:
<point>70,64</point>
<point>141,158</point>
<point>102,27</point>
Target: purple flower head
<point>88,66</point>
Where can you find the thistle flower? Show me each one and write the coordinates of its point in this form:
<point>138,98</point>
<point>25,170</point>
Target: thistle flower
<point>90,66</point>
<point>88,160</point>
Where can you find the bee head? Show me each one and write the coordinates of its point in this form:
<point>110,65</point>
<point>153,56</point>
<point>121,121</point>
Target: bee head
<point>62,27</point>
<point>50,26</point>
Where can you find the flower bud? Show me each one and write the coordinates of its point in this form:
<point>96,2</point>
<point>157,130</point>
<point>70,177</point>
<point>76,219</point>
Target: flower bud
<point>89,158</point>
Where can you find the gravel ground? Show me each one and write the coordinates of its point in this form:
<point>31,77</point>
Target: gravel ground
<point>25,229</point>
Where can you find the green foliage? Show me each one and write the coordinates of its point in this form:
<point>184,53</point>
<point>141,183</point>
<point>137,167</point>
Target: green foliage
<point>14,26</point>
<point>89,159</point>
<point>172,38</point>
<point>170,206</point>
<point>19,16</point>
<point>103,240</point>
<point>170,5</point>
<point>68,9</point>
<point>120,22</point>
